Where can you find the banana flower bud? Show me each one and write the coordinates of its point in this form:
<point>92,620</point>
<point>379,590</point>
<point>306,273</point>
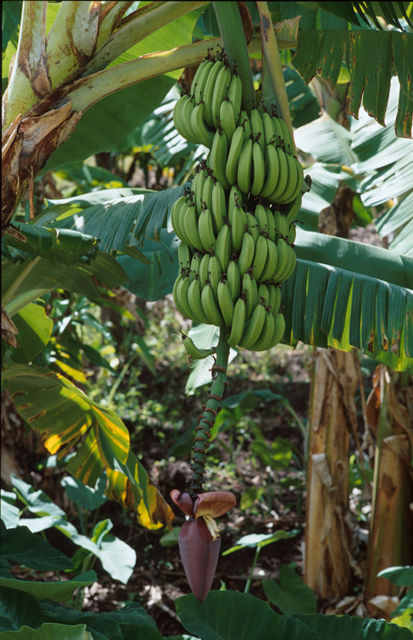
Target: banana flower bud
<point>199,540</point>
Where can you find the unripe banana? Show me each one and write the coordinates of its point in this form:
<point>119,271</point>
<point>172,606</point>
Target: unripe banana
<point>257,128</point>
<point>223,247</point>
<point>246,255</point>
<point>184,255</point>
<point>282,178</point>
<point>289,265</point>
<point>270,224</point>
<point>219,207</point>
<point>264,294</point>
<point>235,149</point>
<point>194,301</point>
<point>202,133</point>
<point>193,351</point>
<point>245,123</point>
<point>181,220</point>
<point>275,299</point>
<point>291,234</point>
<point>220,92</point>
<point>227,119</point>
<point>214,275</point>
<point>282,261</point>
<point>209,92</point>
<point>281,224</point>
<point>289,144</point>
<point>291,210</point>
<point>271,261</point>
<point>234,202</point>
<point>238,323</point>
<point>260,215</point>
<point>300,181</point>
<point>206,230</point>
<point>178,117</point>
<point>182,298</point>
<point>279,329</point>
<point>190,224</point>
<point>199,82</point>
<point>204,64</point>
<point>292,179</point>
<point>195,265</point>
<point>272,169</point>
<point>250,291</point>
<point>197,187</point>
<point>204,269</point>
<point>258,169</point>
<point>226,304</point>
<point>260,257</point>
<point>253,228</point>
<point>245,166</point>
<point>175,295</point>
<point>253,330</point>
<point>269,134</point>
<point>238,228</point>
<point>235,94</point>
<point>186,115</point>
<point>218,157</point>
<point>206,200</point>
<point>175,217</point>
<point>210,307</point>
<point>234,280</point>
<point>266,334</point>
<point>279,136</point>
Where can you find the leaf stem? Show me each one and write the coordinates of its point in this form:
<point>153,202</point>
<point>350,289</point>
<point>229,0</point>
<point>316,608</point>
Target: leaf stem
<point>248,584</point>
<point>7,295</point>
<point>206,420</point>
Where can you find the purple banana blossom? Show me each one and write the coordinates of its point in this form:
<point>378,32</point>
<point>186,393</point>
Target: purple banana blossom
<point>199,539</point>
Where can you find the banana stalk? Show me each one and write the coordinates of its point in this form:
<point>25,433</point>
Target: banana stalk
<point>206,420</point>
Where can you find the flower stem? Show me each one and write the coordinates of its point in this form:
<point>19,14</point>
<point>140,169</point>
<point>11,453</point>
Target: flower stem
<point>206,420</point>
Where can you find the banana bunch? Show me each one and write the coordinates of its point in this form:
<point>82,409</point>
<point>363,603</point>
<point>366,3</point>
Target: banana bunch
<point>214,101</point>
<point>236,222</point>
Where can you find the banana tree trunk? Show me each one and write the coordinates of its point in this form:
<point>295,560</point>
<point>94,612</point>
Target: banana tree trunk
<point>390,413</point>
<point>328,557</point>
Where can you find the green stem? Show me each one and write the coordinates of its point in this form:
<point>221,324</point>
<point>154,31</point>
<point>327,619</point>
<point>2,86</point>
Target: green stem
<point>7,295</point>
<point>236,49</point>
<point>247,586</point>
<point>274,66</point>
<point>206,420</point>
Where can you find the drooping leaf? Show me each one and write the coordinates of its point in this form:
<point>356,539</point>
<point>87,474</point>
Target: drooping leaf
<point>21,546</point>
<point>327,141</point>
<point>254,540</point>
<point>49,631</point>
<point>402,576</point>
<point>291,595</point>
<point>62,414</point>
<point>59,591</point>
<point>35,329</point>
<point>87,497</point>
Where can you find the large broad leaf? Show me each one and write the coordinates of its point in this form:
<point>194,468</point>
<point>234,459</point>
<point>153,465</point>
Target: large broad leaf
<point>37,277</point>
<point>369,57</point>
<point>18,609</point>
<point>327,141</point>
<point>62,415</point>
<point>35,329</point>
<point>24,547</point>
<point>291,595</point>
<point>59,591</point>
<point>11,14</point>
<point>337,300</point>
<point>227,615</point>
<point>325,181</point>
<point>49,631</point>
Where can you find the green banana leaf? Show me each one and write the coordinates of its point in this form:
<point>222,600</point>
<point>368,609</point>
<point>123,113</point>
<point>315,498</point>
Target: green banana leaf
<point>327,304</point>
<point>62,414</point>
<point>35,329</point>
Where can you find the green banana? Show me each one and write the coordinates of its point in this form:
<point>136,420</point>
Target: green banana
<point>202,133</point>
<point>175,216</point>
<point>209,92</point>
<point>289,266</point>
<point>279,136</point>
<point>194,301</point>
<point>235,149</point>
<point>204,269</point>
<point>198,84</point>
<point>300,181</point>
<point>238,323</point>
<point>246,255</point>
<point>190,225</point>
<point>271,261</point>
<point>238,223</point>
<point>206,230</point>
<point>272,169</point>
<point>266,334</point>
<point>291,234</point>
<point>252,226</point>
<point>275,299</point>
<point>180,220</point>
<point>178,119</point>
<point>269,134</point>
<point>235,94</point>
<point>260,215</point>
<point>291,210</point>
<point>281,224</point>
<point>218,206</point>
<point>175,295</point>
<point>282,261</point>
<point>182,297</point>
<point>264,294</point>
<point>210,307</point>
<point>257,128</point>
<point>234,202</point>
<point>260,257</point>
<point>289,145</point>
<point>234,280</point>
<point>218,157</point>
<point>270,224</point>
<point>214,275</point>
<point>223,247</point>
<point>292,179</point>
<point>201,67</point>
<point>193,351</point>
<point>225,302</point>
<point>227,119</point>
<point>245,166</point>
<point>197,188</point>
<point>282,178</point>
<point>220,92</point>
<point>253,330</point>
<point>186,115</point>
<point>245,123</point>
<point>206,200</point>
<point>258,169</point>
<point>250,291</point>
<point>279,329</point>
<point>184,255</point>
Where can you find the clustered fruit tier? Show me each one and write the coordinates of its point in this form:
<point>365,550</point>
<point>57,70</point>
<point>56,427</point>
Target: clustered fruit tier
<point>236,223</point>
